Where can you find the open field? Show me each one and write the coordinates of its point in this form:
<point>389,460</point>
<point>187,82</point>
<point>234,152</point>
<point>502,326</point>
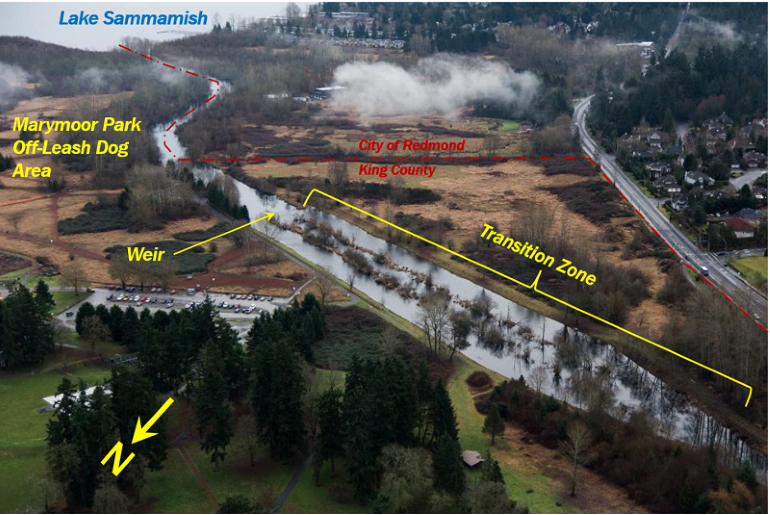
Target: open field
<point>753,269</point>
<point>23,430</point>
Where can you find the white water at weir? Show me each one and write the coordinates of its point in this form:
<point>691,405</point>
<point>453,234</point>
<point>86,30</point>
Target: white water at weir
<point>572,352</point>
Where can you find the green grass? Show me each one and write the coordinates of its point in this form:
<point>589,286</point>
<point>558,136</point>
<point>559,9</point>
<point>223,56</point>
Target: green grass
<point>309,498</point>
<point>753,268</point>
<point>509,126</point>
<point>23,430</point>
<point>64,300</point>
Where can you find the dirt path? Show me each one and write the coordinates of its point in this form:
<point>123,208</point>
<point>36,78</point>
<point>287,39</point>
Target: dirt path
<point>292,484</point>
<point>198,476</point>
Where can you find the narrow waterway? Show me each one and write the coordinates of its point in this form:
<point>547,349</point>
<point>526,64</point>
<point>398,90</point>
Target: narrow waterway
<point>562,366</point>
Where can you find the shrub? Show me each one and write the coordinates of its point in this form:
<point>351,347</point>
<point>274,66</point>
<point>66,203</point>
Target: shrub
<point>479,379</point>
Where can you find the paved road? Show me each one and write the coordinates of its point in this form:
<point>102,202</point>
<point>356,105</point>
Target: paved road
<point>747,178</point>
<point>725,279</point>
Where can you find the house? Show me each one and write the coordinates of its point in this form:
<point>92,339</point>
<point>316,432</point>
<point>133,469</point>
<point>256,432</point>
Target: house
<point>752,216</point>
<point>700,178</point>
<point>740,227</point>
<point>472,459</point>
<point>667,184</point>
<point>656,169</point>
<point>755,159</point>
<point>679,203</point>
<point>53,400</point>
<point>655,140</point>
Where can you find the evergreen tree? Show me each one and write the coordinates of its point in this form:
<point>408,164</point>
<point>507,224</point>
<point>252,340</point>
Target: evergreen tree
<point>442,413</point>
<point>668,121</point>
<point>493,424</point>
<point>133,397</point>
<point>491,471</point>
<point>78,440</point>
<point>26,329</point>
<point>448,466</point>
<point>116,323</point>
<point>331,426</point>
<point>43,296</point>
<point>130,329</point>
<point>361,455</point>
<point>86,310</point>
<point>277,397</point>
<point>215,416</point>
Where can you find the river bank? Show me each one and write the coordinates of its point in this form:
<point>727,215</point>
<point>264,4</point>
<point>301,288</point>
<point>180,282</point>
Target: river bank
<point>658,362</point>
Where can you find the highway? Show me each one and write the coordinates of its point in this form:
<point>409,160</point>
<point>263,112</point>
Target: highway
<point>723,278</point>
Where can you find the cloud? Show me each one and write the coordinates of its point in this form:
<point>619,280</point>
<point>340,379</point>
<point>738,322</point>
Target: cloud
<point>440,84</point>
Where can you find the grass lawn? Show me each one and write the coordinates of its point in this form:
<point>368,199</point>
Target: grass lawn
<point>753,268</point>
<point>65,300</point>
<point>509,126</point>
<point>23,430</point>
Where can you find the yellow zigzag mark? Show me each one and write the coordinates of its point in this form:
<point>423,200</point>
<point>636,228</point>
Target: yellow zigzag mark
<point>533,286</point>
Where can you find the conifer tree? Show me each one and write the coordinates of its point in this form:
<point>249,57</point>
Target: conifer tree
<point>331,426</point>
<point>491,471</point>
<point>493,424</point>
<point>277,397</point>
<point>442,413</point>
<point>212,406</point>
<point>448,466</point>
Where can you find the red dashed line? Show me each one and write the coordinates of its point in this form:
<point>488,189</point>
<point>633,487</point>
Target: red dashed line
<point>431,159</point>
<point>233,159</point>
<point>406,158</point>
<point>328,159</point>
<point>375,159</point>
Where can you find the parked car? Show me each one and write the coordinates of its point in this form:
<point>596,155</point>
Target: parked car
<point>172,292</point>
<point>70,314</point>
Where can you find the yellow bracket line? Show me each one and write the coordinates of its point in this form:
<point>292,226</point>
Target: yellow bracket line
<point>532,286</point>
<point>268,216</point>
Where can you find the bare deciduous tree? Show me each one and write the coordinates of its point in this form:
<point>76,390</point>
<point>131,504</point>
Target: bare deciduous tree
<point>73,275</point>
<point>434,319</point>
<point>575,448</point>
<point>325,285</point>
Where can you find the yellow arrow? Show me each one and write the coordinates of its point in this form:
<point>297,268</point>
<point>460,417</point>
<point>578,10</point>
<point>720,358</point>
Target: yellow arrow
<point>267,215</point>
<point>140,433</point>
<point>533,286</point>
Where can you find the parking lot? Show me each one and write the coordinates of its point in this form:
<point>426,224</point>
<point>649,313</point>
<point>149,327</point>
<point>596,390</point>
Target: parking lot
<point>233,307</point>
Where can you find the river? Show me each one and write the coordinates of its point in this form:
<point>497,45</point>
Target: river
<point>568,356</point>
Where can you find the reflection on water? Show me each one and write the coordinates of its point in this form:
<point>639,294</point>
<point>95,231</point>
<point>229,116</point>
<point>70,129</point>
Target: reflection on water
<point>513,341</point>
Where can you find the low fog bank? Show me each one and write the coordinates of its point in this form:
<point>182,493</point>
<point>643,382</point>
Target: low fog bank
<point>440,84</point>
